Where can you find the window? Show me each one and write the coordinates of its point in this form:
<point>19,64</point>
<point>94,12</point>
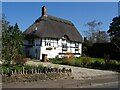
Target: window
<point>64,47</point>
<point>31,41</point>
<point>47,44</point>
<point>76,47</point>
<point>36,28</point>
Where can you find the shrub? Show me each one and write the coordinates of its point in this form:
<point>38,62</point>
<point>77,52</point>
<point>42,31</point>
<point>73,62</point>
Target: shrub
<point>77,63</point>
<point>69,59</point>
<point>97,65</point>
<point>56,61</point>
<point>85,61</point>
<point>107,59</point>
<point>19,59</point>
<point>83,55</point>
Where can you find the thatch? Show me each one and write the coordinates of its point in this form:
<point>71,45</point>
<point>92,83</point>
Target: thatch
<point>53,27</point>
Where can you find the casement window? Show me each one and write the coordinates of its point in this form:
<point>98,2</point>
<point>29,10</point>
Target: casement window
<point>31,41</point>
<point>47,42</point>
<point>64,47</point>
<point>76,46</point>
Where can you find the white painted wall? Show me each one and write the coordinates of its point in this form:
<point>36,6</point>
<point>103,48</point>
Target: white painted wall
<point>56,48</point>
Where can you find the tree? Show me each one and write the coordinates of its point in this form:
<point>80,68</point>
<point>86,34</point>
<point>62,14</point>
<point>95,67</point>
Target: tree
<point>5,23</point>
<point>12,43</point>
<point>85,45</point>
<point>93,27</point>
<point>102,37</point>
<point>114,32</point>
<point>94,33</point>
<point>116,41</point>
<point>114,27</point>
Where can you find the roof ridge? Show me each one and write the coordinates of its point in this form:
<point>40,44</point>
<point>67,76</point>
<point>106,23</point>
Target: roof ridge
<point>60,19</point>
<point>55,19</point>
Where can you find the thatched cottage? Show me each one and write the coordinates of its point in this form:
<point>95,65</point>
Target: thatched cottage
<point>52,36</point>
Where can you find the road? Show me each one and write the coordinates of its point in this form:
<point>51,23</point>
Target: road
<point>105,85</point>
<point>83,78</point>
<point>101,82</point>
<point>0,78</point>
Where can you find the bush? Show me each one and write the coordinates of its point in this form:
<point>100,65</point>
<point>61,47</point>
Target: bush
<point>19,59</point>
<point>83,55</point>
<point>77,63</point>
<point>97,65</point>
<point>69,59</point>
<point>85,61</point>
<point>107,59</point>
<point>56,61</point>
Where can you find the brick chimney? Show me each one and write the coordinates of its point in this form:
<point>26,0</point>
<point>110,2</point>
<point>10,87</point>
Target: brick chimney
<point>44,11</point>
<point>85,39</point>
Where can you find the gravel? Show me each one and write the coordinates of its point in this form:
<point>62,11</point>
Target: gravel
<point>78,73</point>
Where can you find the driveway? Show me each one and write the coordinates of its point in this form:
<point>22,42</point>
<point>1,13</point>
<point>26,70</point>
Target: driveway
<point>83,78</point>
<point>78,73</point>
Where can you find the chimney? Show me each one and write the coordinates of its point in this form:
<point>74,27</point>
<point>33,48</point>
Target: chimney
<point>44,11</point>
<point>85,38</point>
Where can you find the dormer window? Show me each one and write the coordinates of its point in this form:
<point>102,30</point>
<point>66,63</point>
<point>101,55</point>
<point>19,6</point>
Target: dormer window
<point>36,28</point>
<point>63,38</point>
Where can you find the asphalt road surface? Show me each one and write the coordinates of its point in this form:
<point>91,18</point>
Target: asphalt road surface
<point>105,85</point>
<point>0,78</point>
<point>102,82</point>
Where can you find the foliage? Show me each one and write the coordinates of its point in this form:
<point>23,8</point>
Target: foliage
<point>102,37</point>
<point>97,50</point>
<point>95,63</point>
<point>56,61</point>
<point>19,59</point>
<point>114,32</point>
<point>85,60</point>
<point>107,59</point>
<point>68,59</point>
<point>83,55</point>
<point>114,27</point>
<point>94,34</point>
<point>85,45</point>
<point>5,23</point>
<point>116,41</point>
<point>12,43</point>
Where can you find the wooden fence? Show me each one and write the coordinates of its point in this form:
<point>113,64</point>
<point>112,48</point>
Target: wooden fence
<point>44,70</point>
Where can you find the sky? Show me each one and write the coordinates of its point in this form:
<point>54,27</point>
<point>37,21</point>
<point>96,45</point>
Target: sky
<point>119,8</point>
<point>25,13</point>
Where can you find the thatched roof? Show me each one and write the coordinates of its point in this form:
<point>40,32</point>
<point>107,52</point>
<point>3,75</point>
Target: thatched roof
<point>52,27</point>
